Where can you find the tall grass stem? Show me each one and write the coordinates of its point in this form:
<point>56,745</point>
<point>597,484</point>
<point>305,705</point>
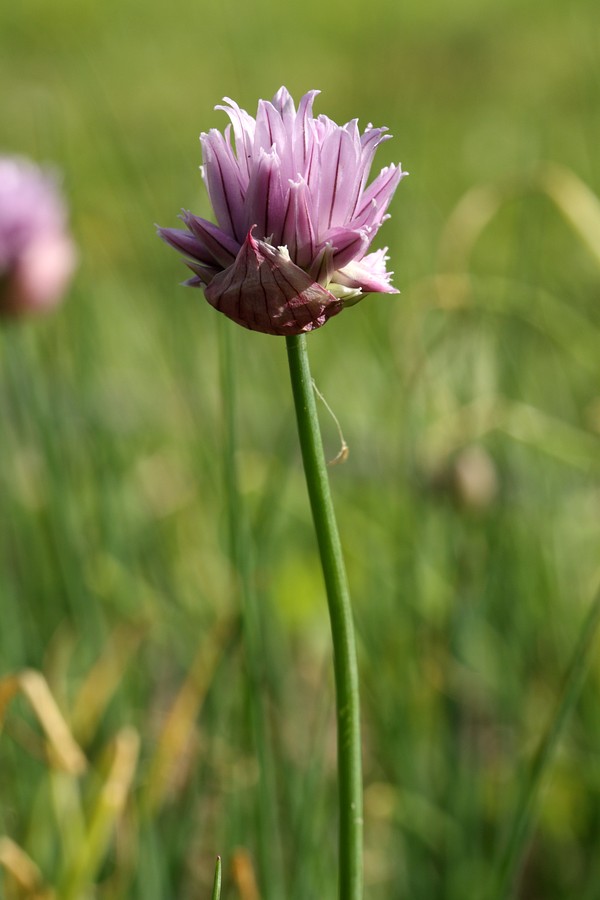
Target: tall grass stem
<point>240,551</point>
<point>523,820</point>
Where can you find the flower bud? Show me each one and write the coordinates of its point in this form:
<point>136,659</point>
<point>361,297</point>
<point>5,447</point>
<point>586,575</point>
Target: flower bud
<point>37,254</point>
<point>295,217</point>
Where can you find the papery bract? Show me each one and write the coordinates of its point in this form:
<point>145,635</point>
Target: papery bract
<point>37,254</point>
<point>295,217</point>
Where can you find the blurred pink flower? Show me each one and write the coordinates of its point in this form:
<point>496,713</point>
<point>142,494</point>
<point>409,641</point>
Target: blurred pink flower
<point>37,254</point>
<point>295,217</point>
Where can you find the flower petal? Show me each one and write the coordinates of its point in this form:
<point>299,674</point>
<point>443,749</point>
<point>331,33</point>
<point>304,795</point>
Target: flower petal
<point>374,202</point>
<point>347,244</point>
<point>265,291</point>
<point>271,135</point>
<point>322,267</point>
<point>243,129</point>
<point>220,248</point>
<point>337,178</point>
<point>185,243</point>
<point>369,142</point>
<point>369,274</point>
<point>265,201</point>
<point>303,133</point>
<point>203,274</point>
<point>298,232</point>
<point>223,179</point>
<point>283,103</point>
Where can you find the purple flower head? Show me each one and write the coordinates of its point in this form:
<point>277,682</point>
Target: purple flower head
<point>295,217</point>
<point>37,255</point>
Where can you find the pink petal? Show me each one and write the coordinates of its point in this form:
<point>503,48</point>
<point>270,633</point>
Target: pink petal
<point>265,202</point>
<point>220,248</point>
<point>371,207</point>
<point>224,183</point>
<point>243,128</point>
<point>369,142</point>
<point>298,232</point>
<point>347,244</point>
<point>337,178</point>
<point>264,291</point>
<point>303,133</point>
<point>313,176</point>
<point>271,135</point>
<point>284,104</point>
<point>369,274</point>
<point>324,127</point>
<point>185,243</point>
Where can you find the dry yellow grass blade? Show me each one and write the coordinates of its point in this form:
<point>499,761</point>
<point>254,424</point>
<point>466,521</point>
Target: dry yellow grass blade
<point>243,875</point>
<point>65,752</point>
<point>179,725</point>
<point>521,421</point>
<point>102,681</point>
<point>576,202</point>
<point>471,215</point>
<point>26,875</point>
<point>107,811</point>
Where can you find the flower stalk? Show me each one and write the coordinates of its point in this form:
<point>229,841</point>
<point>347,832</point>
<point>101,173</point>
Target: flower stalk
<point>342,627</point>
<point>296,215</point>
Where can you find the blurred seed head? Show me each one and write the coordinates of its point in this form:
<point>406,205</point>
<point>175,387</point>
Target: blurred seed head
<point>475,478</point>
<point>470,479</point>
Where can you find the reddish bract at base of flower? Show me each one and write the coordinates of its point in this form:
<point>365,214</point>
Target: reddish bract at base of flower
<point>295,217</point>
<point>265,291</point>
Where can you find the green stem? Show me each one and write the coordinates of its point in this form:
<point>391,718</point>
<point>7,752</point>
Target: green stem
<point>342,628</point>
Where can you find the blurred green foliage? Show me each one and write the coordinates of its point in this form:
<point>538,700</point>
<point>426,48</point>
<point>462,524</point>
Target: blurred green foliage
<point>468,505</point>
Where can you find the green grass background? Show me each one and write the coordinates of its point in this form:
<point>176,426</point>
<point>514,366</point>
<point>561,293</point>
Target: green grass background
<point>117,576</point>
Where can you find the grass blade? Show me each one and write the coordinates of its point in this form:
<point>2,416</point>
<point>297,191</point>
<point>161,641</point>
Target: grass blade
<point>522,825</point>
<point>216,892</point>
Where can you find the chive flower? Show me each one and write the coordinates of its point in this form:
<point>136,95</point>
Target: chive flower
<point>37,254</point>
<point>295,217</point>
